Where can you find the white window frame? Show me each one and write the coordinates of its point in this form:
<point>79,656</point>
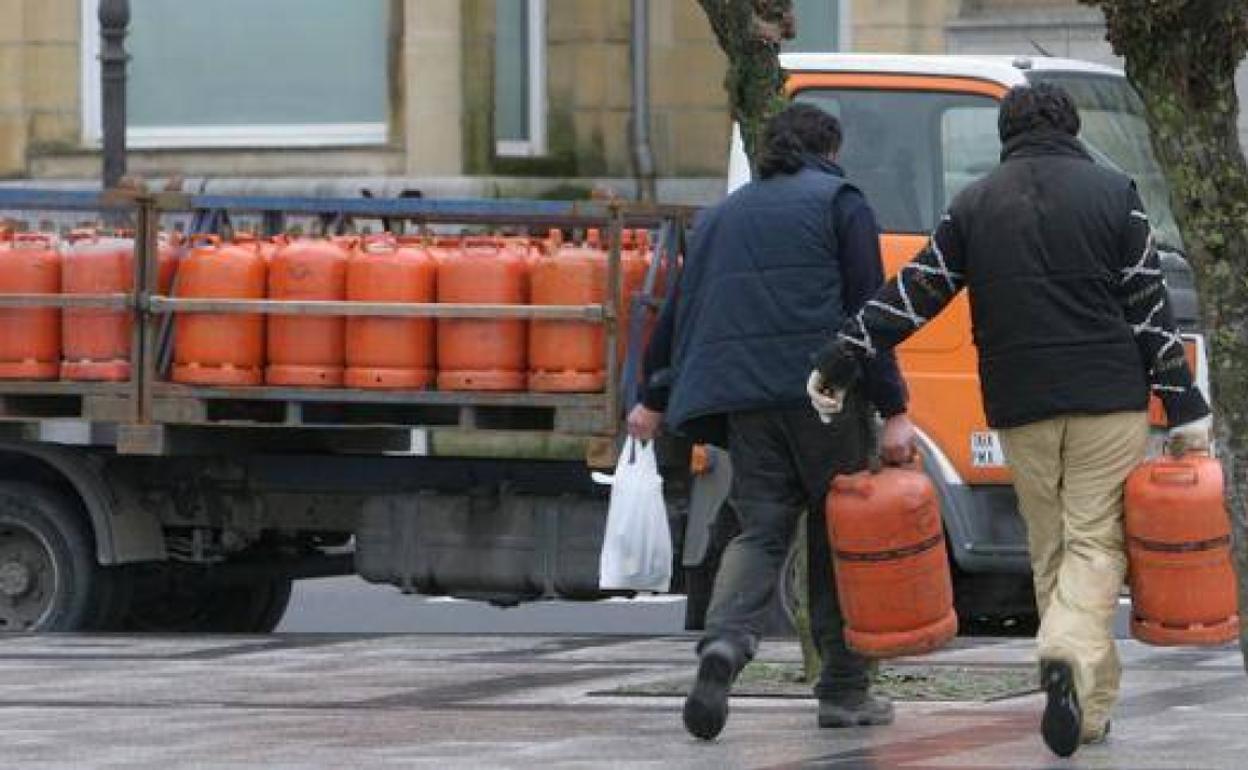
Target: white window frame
<point>535,145</point>
<point>845,33</point>
<point>206,137</point>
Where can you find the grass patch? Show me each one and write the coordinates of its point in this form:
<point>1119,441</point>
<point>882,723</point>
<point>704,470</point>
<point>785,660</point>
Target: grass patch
<point>900,682</point>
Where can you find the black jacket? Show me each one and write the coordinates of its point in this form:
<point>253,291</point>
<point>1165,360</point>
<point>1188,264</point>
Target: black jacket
<point>1069,309</point>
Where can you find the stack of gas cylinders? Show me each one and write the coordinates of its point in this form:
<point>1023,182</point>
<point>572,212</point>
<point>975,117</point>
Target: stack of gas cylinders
<point>82,344</point>
<point>307,350</point>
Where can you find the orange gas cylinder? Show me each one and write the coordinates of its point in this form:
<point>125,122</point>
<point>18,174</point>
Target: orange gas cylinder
<point>482,354</point>
<point>892,573</point>
<point>568,356</point>
<point>390,352</point>
<point>267,247</point>
<point>307,350</point>
<point>96,343</point>
<point>30,339</point>
<point>219,349</point>
<point>441,248</point>
<point>1179,548</point>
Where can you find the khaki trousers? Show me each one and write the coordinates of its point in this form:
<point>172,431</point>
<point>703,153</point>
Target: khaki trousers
<point>1069,473</point>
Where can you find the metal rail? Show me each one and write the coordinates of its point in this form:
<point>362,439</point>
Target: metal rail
<point>102,301</point>
<point>584,313</point>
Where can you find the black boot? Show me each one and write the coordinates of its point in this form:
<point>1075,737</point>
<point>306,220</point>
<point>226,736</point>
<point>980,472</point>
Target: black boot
<point>857,709</point>
<point>706,708</point>
<point>1063,719</point>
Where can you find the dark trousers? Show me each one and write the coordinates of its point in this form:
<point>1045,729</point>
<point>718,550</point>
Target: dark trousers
<point>782,463</point>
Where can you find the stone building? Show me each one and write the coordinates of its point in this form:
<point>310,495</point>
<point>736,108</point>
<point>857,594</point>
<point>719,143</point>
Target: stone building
<point>477,97</point>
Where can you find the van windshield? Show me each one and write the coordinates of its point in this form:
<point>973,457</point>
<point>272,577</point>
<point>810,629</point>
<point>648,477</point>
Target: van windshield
<point>911,152</point>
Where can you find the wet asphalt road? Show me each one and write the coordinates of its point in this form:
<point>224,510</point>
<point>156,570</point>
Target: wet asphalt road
<point>350,605</point>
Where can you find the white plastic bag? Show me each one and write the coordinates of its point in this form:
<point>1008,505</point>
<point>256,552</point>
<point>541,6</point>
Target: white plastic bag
<point>637,545</point>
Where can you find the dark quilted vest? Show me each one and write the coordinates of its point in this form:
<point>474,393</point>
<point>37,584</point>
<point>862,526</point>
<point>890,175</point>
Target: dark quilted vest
<point>760,292</point>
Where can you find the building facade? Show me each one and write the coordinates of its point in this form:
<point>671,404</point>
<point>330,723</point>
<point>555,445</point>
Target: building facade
<point>475,97</point>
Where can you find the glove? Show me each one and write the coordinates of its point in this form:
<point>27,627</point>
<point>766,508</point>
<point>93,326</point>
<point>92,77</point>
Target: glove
<point>836,368</point>
<point>828,403</point>
<point>1194,436</point>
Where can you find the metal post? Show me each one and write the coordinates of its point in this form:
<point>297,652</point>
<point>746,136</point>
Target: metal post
<point>643,152</point>
<point>114,20</point>
<point>612,312</point>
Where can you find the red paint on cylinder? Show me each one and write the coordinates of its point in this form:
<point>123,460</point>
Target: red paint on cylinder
<point>307,350</point>
<point>891,568</point>
<point>30,338</point>
<point>391,353</point>
<point>1179,549</point>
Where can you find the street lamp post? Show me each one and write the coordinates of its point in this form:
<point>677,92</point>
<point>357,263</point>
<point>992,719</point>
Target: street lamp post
<point>114,20</point>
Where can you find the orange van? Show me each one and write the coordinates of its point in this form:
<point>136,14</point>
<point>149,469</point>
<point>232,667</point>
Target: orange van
<point>917,130</point>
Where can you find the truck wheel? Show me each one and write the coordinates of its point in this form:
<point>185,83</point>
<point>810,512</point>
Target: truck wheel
<point>175,599</point>
<point>49,579</point>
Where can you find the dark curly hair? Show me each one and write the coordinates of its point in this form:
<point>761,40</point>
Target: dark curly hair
<point>1037,107</point>
<point>802,129</point>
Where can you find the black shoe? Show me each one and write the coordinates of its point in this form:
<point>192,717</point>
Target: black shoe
<point>860,709</point>
<point>1063,720</point>
<point>706,708</point>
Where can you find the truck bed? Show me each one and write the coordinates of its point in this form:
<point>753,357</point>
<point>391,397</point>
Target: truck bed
<point>149,415</point>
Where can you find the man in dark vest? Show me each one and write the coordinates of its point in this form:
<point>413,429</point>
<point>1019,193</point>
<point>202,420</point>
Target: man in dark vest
<point>1074,329</point>
<point>768,273</point>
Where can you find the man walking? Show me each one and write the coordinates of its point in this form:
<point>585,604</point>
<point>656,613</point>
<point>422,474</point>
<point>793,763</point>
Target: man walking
<point>1073,327</point>
<point>768,272</point>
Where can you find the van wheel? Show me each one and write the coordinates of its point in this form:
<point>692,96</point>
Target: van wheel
<point>182,599</point>
<point>49,578</point>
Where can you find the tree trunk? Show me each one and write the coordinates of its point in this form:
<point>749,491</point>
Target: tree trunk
<point>749,32</point>
<point>1182,56</point>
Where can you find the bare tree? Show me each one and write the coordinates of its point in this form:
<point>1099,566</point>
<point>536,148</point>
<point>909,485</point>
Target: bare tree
<point>750,33</point>
<point>1182,56</point>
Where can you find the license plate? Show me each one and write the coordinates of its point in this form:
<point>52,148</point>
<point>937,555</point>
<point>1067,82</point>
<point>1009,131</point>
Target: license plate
<point>986,450</point>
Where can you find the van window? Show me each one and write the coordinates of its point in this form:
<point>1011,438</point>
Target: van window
<point>911,151</point>
<point>970,145</point>
<point>1116,133</point>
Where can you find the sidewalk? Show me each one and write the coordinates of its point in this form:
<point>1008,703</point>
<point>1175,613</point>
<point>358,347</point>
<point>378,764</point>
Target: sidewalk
<point>429,701</point>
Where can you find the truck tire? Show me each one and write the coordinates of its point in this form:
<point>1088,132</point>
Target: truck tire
<point>49,578</point>
<point>177,599</point>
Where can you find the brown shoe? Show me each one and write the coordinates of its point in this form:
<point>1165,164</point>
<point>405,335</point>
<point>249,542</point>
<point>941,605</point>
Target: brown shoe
<point>1096,737</point>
